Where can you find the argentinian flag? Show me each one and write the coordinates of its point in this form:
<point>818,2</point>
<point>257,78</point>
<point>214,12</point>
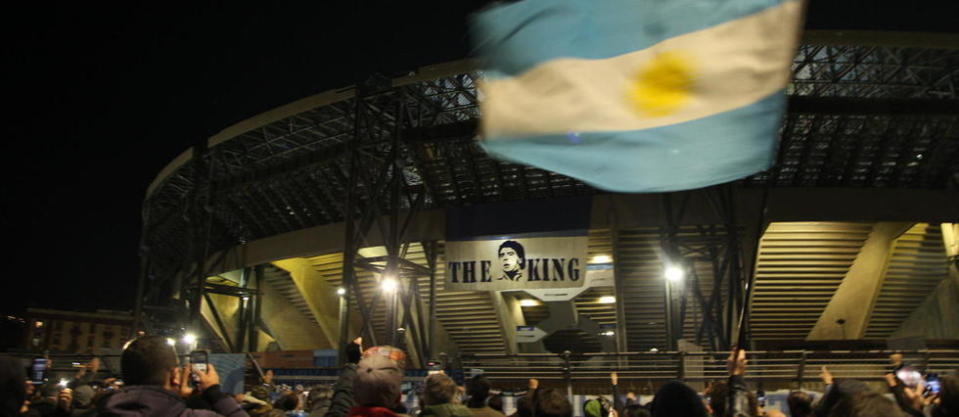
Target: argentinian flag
<point>637,95</point>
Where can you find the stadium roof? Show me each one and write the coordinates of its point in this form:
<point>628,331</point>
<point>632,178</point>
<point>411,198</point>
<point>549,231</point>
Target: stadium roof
<point>866,111</point>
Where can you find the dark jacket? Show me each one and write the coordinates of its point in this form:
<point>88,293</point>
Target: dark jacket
<point>154,401</point>
<point>342,400</point>
<point>738,397</point>
<point>446,410</point>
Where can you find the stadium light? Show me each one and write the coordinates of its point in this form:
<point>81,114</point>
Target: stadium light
<point>528,302</point>
<point>170,341</point>
<point>189,338</point>
<point>601,259</point>
<point>341,291</point>
<point>674,273</point>
<point>388,284</point>
<point>607,299</point>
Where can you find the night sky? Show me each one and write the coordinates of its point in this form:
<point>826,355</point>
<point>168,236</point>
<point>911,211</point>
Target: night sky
<point>98,99</point>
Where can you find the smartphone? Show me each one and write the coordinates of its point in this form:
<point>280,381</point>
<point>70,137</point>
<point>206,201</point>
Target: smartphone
<point>932,384</point>
<point>909,376</point>
<point>199,360</point>
<point>761,398</point>
<point>38,371</point>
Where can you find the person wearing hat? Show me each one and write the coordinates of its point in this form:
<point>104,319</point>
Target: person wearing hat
<point>369,383</point>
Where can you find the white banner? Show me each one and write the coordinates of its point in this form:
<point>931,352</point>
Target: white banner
<point>518,262</point>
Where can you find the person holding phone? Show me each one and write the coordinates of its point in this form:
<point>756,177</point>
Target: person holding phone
<point>156,385</point>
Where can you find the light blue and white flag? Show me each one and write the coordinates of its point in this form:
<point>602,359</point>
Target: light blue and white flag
<point>637,95</point>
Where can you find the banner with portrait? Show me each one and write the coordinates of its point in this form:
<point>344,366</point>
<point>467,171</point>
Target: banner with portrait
<point>529,261</point>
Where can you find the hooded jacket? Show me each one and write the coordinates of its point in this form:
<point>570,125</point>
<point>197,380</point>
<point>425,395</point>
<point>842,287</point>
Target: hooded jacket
<point>154,401</point>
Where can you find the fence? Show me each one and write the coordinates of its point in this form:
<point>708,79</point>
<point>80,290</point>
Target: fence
<point>783,367</point>
<point>772,368</point>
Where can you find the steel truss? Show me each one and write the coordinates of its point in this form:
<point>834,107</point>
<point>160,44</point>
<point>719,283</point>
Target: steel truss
<point>859,116</point>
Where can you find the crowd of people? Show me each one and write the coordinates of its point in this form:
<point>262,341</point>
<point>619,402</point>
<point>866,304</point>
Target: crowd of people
<point>370,385</point>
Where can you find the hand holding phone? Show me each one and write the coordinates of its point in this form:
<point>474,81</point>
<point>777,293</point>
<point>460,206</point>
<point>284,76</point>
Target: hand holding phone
<point>207,377</point>
<point>932,384</point>
<point>909,376</point>
<point>199,360</point>
<point>38,371</point>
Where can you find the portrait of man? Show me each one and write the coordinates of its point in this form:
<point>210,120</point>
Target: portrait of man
<point>512,258</point>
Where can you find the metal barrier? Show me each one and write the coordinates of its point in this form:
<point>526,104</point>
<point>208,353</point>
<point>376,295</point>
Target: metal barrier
<point>775,368</point>
<point>796,367</point>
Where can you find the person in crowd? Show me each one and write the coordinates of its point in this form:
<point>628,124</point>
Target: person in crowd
<point>318,401</point>
<point>754,409</point>
<point>800,404</point>
<point>13,393</point>
<point>738,400</point>
<point>440,399</point>
<point>376,387</point>
<point>369,383</point>
<point>288,401</point>
<point>865,404</point>
<point>594,407</point>
<point>83,405</point>
<point>524,404</point>
<point>523,407</point>
<point>477,388</point>
<point>758,410</point>
<point>53,401</point>
<point>636,410</point>
<point>495,402</point>
<point>676,399</point>
<point>551,402</point>
<point>618,404</point>
<point>342,400</point>
<point>718,393</point>
<point>87,374</point>
<point>257,401</point>
<point>947,403</point>
<point>839,390</point>
<point>155,385</point>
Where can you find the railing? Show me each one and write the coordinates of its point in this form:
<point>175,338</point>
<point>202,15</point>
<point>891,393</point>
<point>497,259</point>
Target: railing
<point>794,368</point>
<point>781,366</point>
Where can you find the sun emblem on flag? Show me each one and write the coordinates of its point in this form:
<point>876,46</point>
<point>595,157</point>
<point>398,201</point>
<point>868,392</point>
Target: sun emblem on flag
<point>663,84</point>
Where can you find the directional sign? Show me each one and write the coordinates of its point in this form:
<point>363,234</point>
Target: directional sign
<point>529,334</point>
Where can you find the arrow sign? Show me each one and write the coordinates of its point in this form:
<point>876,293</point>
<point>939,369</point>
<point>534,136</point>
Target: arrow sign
<point>529,334</point>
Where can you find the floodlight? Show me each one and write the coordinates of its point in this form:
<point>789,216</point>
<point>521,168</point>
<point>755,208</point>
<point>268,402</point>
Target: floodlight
<point>674,273</point>
<point>389,284</point>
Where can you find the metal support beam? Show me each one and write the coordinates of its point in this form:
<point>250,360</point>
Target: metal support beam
<point>847,314</point>
<point>618,282</point>
<point>219,322</point>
